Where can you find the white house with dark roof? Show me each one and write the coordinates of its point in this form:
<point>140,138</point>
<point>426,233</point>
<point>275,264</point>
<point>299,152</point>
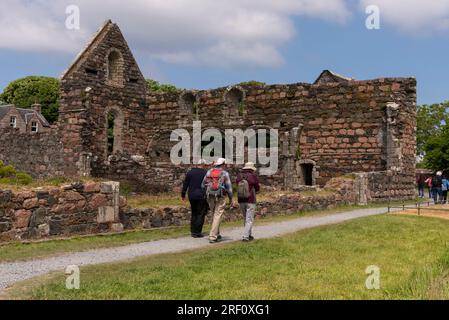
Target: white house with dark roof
<point>24,120</point>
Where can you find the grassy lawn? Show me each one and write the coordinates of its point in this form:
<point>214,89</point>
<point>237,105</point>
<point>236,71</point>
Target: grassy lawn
<point>150,201</point>
<point>321,263</point>
<point>24,251</point>
<point>50,182</point>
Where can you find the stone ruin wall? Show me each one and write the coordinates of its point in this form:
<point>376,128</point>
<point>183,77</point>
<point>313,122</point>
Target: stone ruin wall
<point>97,207</point>
<point>345,127</point>
<point>335,134</point>
<point>40,154</point>
<point>60,211</point>
<point>342,128</point>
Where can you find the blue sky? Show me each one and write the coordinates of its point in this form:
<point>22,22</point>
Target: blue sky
<point>281,41</point>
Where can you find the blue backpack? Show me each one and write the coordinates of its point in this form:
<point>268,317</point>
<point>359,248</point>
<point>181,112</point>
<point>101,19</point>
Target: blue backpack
<point>445,185</point>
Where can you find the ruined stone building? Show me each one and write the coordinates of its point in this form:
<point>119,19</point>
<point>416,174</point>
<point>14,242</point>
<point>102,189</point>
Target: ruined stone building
<point>333,127</point>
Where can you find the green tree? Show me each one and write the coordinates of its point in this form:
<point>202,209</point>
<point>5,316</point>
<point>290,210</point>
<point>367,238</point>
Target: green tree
<point>27,91</point>
<point>437,150</point>
<point>253,83</point>
<point>430,121</point>
<point>155,86</point>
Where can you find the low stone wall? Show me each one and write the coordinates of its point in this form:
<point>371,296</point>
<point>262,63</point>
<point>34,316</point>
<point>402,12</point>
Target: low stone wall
<point>338,191</point>
<point>37,154</point>
<point>60,211</point>
<point>384,186</point>
<point>92,208</point>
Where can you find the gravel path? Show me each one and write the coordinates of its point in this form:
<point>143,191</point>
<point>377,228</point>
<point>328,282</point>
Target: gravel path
<point>18,271</point>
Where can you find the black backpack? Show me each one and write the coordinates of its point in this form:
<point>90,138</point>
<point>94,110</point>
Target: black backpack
<point>437,181</point>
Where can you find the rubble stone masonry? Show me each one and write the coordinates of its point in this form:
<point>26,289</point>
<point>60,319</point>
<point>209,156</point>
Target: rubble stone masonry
<point>331,128</point>
<point>97,207</point>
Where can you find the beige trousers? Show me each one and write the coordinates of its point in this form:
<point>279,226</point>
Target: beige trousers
<point>217,207</point>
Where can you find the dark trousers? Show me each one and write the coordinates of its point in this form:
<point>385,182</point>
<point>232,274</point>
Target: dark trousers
<point>421,191</point>
<point>199,211</point>
<point>445,196</point>
<point>437,195</point>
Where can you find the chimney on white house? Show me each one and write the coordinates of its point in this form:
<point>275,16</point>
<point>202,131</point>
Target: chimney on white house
<point>37,107</point>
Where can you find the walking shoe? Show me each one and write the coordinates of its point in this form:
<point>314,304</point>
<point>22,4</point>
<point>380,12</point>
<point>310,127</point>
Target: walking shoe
<point>245,240</point>
<point>251,238</point>
<point>214,241</point>
<point>197,235</point>
<point>219,237</point>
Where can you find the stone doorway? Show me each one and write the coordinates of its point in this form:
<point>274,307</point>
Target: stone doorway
<point>307,174</point>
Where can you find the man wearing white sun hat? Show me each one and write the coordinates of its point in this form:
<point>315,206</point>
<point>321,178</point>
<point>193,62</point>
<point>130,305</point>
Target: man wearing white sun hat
<point>217,184</point>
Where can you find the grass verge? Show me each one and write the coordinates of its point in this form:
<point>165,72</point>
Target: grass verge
<point>25,251</point>
<point>321,263</point>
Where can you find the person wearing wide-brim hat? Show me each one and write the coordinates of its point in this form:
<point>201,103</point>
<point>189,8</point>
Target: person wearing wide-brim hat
<point>247,187</point>
<point>250,166</point>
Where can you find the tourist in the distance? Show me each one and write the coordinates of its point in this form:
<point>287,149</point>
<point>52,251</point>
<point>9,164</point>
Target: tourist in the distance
<point>437,182</point>
<point>217,185</point>
<point>429,186</point>
<point>420,181</point>
<point>197,198</point>
<point>247,187</point>
<point>444,188</point>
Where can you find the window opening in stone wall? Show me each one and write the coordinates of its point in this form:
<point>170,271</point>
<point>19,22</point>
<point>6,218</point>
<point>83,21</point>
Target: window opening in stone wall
<point>110,132</point>
<point>115,68</point>
<point>91,71</point>
<point>189,103</point>
<point>235,100</point>
<point>307,174</point>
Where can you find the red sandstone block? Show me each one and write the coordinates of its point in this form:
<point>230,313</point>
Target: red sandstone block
<point>363,139</point>
<point>22,219</point>
<point>31,203</point>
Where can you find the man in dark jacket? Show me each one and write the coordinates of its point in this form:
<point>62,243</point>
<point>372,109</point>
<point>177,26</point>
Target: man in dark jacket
<point>247,187</point>
<point>197,199</point>
<point>437,182</point>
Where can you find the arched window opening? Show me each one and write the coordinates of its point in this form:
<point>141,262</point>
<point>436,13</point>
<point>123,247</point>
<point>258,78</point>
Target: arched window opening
<point>188,103</point>
<point>115,68</point>
<point>113,126</point>
<point>110,133</point>
<point>235,101</point>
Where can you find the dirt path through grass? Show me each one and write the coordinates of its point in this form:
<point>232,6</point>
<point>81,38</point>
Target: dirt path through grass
<point>11,273</point>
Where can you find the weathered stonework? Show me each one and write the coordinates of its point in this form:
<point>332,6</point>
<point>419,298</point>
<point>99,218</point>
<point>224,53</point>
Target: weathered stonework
<point>93,208</point>
<point>60,211</point>
<point>331,128</point>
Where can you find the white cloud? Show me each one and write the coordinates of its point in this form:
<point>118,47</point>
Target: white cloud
<point>216,32</point>
<point>33,25</point>
<point>413,16</point>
